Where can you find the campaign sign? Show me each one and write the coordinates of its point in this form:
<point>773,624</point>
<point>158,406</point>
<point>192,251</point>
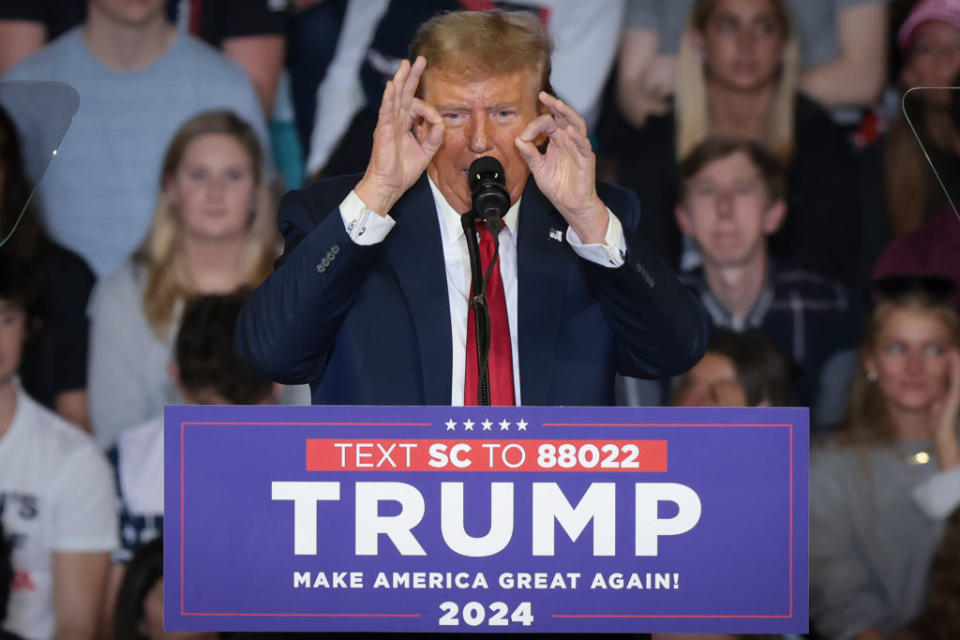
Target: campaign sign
<point>485,519</point>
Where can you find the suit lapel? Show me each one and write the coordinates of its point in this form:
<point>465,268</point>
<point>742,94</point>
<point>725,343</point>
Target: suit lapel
<point>416,253</point>
<point>542,272</point>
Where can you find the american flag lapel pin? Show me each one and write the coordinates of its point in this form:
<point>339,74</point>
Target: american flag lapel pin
<point>556,234</point>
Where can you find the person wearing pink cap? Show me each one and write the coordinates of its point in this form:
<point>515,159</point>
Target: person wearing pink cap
<point>924,12</point>
<point>932,248</point>
<point>929,41</point>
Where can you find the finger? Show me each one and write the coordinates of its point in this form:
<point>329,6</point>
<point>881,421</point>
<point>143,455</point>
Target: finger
<point>580,141</point>
<point>402,72</point>
<point>411,82</point>
<point>529,152</point>
<point>400,78</point>
<point>387,105</point>
<point>434,135</point>
<point>564,112</point>
<point>425,110</point>
<point>568,139</point>
<point>542,124</point>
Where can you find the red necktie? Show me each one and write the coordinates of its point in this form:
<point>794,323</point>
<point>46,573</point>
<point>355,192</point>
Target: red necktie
<point>501,357</point>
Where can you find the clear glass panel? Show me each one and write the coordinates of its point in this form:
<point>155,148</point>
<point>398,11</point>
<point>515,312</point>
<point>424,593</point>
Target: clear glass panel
<point>42,113</point>
<point>933,115</point>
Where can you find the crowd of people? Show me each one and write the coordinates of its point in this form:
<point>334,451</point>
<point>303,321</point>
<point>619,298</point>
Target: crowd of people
<point>811,216</point>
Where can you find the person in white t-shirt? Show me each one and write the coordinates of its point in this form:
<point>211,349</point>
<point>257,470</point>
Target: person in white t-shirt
<point>57,501</point>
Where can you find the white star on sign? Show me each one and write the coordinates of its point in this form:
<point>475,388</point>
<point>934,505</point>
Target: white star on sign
<point>451,424</point>
<point>504,425</point>
<point>522,425</point>
<point>486,425</point>
<point>468,425</point>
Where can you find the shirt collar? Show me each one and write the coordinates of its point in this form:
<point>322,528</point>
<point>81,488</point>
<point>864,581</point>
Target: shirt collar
<point>451,230</point>
<point>721,316</point>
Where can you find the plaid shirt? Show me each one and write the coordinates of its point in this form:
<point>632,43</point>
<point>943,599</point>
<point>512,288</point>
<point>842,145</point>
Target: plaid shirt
<point>809,317</point>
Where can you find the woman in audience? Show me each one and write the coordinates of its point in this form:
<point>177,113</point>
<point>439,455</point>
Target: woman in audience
<point>737,78</point>
<point>929,43</point>
<point>213,231</point>
<point>54,365</point>
<point>139,612</point>
<point>881,490</point>
<point>933,247</point>
<point>903,197</point>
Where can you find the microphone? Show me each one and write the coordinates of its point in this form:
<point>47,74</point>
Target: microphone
<point>488,190</point>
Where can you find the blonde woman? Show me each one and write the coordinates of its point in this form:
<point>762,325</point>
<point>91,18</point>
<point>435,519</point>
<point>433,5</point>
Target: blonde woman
<point>882,489</point>
<point>737,78</point>
<point>213,231</point>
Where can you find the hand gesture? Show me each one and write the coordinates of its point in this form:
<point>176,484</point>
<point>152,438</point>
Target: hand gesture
<point>566,173</point>
<point>945,415</point>
<point>399,157</point>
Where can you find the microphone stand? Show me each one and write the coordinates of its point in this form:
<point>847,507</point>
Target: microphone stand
<point>478,299</point>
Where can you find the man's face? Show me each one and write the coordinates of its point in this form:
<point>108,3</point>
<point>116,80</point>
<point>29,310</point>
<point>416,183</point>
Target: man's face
<point>132,13</point>
<point>13,329</point>
<point>742,44</point>
<point>480,118</point>
<point>728,211</point>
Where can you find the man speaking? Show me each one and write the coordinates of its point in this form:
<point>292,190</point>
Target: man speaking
<point>375,300</point>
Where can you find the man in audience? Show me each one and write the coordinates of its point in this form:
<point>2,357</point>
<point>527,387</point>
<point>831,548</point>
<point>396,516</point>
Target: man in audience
<point>731,200</point>
<point>738,370</point>
<point>138,80</point>
<point>843,53</point>
<point>205,370</point>
<point>57,502</point>
<point>249,32</point>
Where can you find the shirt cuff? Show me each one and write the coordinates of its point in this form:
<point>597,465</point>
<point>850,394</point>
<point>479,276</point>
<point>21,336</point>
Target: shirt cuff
<point>609,254</point>
<point>939,496</point>
<point>365,227</point>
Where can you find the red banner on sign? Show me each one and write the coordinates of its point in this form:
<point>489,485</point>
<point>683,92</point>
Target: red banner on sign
<point>341,454</point>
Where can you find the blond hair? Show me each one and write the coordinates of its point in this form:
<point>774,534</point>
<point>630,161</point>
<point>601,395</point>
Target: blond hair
<point>481,44</point>
<point>692,110</point>
<point>168,284</point>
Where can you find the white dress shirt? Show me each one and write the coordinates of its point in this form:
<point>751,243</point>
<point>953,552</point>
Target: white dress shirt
<point>367,228</point>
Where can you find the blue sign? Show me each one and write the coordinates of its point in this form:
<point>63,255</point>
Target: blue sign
<point>486,519</point>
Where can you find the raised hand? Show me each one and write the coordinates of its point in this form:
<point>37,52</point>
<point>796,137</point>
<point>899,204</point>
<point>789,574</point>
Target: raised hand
<point>566,173</point>
<point>945,415</point>
<point>399,157</point>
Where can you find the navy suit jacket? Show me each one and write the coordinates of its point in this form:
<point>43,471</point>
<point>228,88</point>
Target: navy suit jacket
<point>371,324</point>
